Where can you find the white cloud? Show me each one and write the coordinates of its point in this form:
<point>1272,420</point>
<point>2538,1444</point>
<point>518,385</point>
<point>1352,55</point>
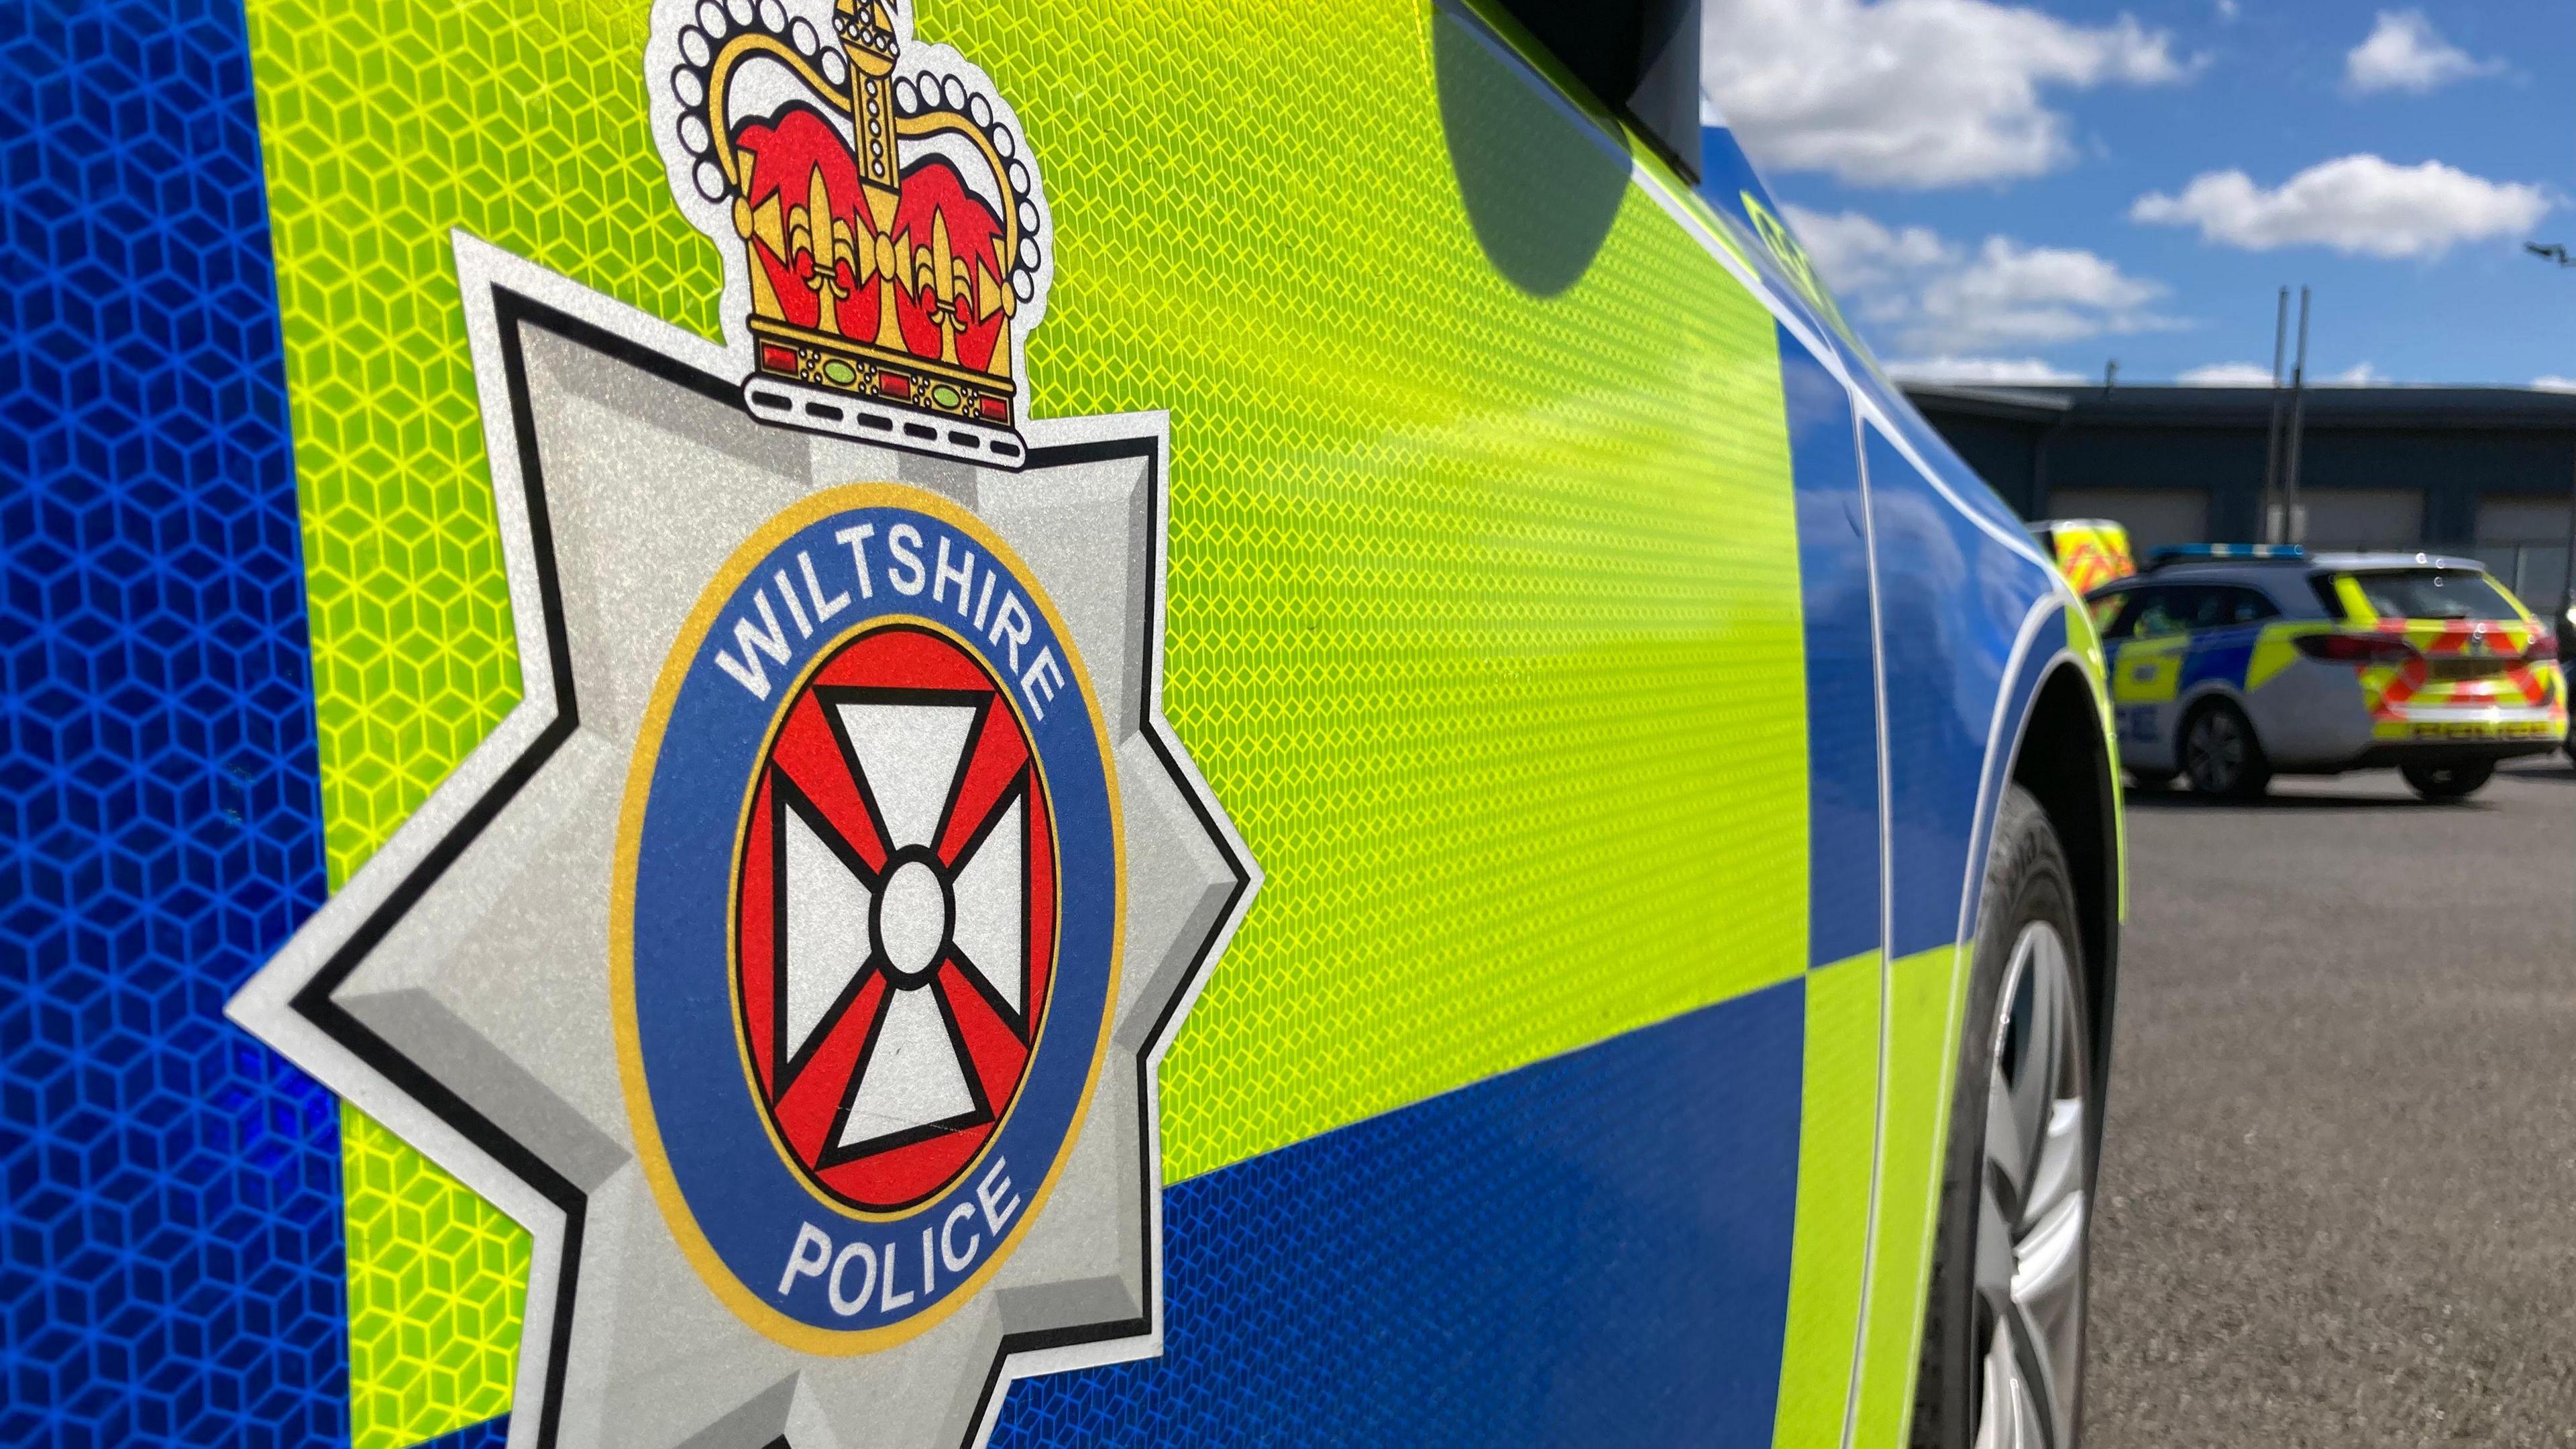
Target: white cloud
<point>2226,374</point>
<point>2227,9</point>
<point>2038,295</point>
<point>1992,370</point>
<point>1930,296</point>
<point>2552,382</point>
<point>1857,254</point>
<point>1913,93</point>
<point>2404,53</point>
<point>2353,204</point>
<point>2247,374</point>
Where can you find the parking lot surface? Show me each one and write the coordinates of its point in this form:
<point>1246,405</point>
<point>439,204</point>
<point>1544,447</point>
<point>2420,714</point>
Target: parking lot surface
<point>2338,1190</point>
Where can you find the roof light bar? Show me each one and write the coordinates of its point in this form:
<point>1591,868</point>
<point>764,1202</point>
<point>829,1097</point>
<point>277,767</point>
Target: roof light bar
<point>2209,552</point>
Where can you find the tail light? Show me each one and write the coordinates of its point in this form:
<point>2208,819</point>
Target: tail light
<point>2355,648</point>
<point>2541,649</point>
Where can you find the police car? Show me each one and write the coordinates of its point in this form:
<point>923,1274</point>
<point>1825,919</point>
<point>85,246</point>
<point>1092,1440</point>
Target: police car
<point>2565,630</point>
<point>846,723</point>
<point>2230,665</point>
<point>2091,552</point>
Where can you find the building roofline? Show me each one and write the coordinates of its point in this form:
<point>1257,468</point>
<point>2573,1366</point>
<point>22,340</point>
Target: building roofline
<point>2175,406</point>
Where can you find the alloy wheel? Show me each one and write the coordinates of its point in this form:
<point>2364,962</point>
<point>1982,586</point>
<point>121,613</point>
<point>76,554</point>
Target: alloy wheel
<point>2034,1203</point>
<point>2216,755</point>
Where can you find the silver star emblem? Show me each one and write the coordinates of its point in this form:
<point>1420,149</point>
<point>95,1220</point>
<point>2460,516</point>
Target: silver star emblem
<point>458,988</point>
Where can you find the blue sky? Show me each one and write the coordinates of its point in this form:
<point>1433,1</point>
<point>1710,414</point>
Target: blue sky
<point>2009,191</point>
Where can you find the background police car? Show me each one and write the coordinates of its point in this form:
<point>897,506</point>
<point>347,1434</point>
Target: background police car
<point>2230,668</point>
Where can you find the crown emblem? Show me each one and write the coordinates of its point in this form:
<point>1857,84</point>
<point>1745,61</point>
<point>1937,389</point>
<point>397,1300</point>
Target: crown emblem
<point>880,215</point>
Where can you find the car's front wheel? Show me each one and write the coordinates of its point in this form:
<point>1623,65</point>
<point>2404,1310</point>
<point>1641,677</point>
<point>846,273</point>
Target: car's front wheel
<point>2448,782</point>
<point>2003,1329</point>
<point>2221,755</point>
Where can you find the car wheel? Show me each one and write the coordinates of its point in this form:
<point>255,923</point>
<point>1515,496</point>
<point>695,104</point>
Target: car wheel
<point>2221,755</point>
<point>2003,1328</point>
<point>2448,782</point>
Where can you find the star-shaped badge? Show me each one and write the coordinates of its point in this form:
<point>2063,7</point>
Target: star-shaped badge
<point>796,958</point>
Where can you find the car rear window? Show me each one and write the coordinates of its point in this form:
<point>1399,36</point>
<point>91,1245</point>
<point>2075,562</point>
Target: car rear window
<point>2434,594</point>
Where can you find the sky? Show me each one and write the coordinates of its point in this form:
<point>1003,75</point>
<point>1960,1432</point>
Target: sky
<point>2025,191</point>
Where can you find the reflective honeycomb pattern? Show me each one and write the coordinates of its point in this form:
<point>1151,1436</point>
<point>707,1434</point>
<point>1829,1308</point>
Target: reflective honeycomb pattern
<point>387,125</point>
<point>487,1434</point>
<point>1484,604</point>
<point>1484,592</point>
<point>437,1279</point>
<point>1528,1261</point>
<point>170,1269</point>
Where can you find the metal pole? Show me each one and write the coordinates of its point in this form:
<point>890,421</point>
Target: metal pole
<point>2270,525</point>
<point>2291,531</point>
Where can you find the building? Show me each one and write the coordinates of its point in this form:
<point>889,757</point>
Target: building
<point>2488,471</point>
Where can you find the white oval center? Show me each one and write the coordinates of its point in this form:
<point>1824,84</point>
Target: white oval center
<point>912,919</point>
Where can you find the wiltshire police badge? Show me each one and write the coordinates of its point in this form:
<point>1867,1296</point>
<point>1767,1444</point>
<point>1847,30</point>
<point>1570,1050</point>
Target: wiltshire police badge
<point>796,958</point>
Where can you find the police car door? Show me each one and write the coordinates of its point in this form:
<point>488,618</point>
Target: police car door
<point>1845,904</point>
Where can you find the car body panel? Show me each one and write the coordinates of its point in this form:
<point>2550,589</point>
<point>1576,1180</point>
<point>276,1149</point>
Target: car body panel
<point>1523,611</point>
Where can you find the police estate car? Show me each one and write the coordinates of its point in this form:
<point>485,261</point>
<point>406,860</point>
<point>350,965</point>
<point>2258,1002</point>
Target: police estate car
<point>926,722</point>
<point>2231,665</point>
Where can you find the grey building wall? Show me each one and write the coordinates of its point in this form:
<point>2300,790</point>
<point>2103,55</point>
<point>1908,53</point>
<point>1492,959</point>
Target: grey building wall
<point>2458,447</point>
<point>2454,444</point>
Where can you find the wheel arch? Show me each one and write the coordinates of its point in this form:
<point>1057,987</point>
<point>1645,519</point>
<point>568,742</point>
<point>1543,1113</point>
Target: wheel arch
<point>2065,759</point>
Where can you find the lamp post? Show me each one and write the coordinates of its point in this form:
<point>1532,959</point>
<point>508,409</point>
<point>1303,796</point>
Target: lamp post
<point>2294,527</point>
<point>2557,252</point>
<point>2270,526</point>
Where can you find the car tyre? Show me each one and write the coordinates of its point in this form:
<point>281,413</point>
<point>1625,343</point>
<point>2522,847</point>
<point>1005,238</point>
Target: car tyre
<point>2221,754</point>
<point>2448,782</point>
<point>2003,1326</point>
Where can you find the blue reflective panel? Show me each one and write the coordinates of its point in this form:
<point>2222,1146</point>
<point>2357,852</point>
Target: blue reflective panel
<point>1952,597</point>
<point>1843,904</point>
<point>170,1265</point>
<point>1591,1250</point>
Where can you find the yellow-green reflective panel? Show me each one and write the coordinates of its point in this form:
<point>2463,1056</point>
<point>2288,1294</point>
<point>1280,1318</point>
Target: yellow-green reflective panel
<point>1922,1057</point>
<point>1483,613</point>
<point>1828,1256</point>
<point>385,125</point>
<point>436,1285</point>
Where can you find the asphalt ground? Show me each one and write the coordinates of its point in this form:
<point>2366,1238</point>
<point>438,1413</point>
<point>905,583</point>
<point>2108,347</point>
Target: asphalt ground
<point>2338,1186</point>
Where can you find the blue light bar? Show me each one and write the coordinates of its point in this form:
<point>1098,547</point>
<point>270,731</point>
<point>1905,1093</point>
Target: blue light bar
<point>2208,552</point>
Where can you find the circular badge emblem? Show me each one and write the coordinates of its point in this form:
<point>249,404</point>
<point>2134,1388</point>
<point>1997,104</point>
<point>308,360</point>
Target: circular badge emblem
<point>897,917</point>
<point>867,917</point>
